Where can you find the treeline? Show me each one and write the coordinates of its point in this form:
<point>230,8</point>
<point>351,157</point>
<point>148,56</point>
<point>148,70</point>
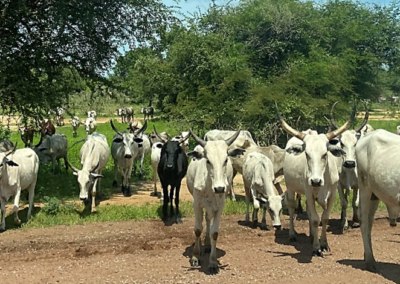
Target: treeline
<point>225,68</point>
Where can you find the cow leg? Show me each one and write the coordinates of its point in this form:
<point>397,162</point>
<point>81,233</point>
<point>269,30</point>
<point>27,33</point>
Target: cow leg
<point>178,213</point>
<point>213,265</point>
<point>393,212</point>
<point>314,223</point>
<point>256,207</point>
<point>94,196</point>
<point>115,183</point>
<point>231,191</point>
<point>325,219</point>
<point>247,218</point>
<point>355,204</point>
<point>207,239</point>
<point>31,190</point>
<point>278,188</point>
<point>264,219</point>
<point>166,201</point>
<point>3,214</point>
<point>291,204</point>
<point>59,165</point>
<point>66,163</point>
<point>198,228</point>
<point>171,198</point>
<point>343,201</point>
<point>154,193</point>
<point>17,221</point>
<point>141,165</point>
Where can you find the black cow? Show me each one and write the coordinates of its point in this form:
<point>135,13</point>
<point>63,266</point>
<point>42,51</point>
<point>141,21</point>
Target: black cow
<point>171,169</point>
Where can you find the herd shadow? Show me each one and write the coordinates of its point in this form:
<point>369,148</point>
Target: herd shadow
<point>204,259</point>
<point>390,271</point>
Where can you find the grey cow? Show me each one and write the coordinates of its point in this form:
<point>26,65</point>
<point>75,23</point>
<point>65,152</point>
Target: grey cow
<point>52,149</point>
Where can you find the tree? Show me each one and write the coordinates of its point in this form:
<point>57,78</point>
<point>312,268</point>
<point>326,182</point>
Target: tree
<point>41,39</point>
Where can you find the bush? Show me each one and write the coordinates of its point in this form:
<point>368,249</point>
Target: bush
<point>52,205</point>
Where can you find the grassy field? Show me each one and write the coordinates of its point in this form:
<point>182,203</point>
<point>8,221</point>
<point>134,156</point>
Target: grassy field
<point>60,191</point>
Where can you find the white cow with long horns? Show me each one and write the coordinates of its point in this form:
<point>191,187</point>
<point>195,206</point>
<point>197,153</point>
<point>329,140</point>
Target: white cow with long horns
<point>310,168</point>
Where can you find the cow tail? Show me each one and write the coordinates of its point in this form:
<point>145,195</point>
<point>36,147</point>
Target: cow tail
<point>76,143</point>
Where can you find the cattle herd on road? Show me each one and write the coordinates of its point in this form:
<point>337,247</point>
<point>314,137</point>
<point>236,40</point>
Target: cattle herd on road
<point>317,165</point>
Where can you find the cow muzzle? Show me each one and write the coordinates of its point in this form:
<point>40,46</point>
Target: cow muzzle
<point>277,227</point>
<point>219,189</point>
<point>83,198</point>
<point>349,164</point>
<point>316,182</point>
<point>128,156</point>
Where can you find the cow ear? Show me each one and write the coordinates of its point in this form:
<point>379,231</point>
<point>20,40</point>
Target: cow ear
<point>138,140</point>
<point>96,176</point>
<point>296,149</point>
<point>336,150</point>
<point>236,152</point>
<point>12,163</point>
<point>159,145</point>
<point>117,140</point>
<point>195,154</point>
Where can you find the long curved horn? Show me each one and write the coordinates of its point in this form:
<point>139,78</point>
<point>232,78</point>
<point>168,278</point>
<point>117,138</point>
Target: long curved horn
<point>197,139</point>
<point>365,120</point>
<point>232,139</point>
<point>287,127</point>
<point>143,129</point>
<point>115,129</point>
<point>333,121</point>
<point>155,131</point>
<point>9,152</point>
<point>342,128</point>
<point>40,142</point>
<point>183,139</point>
<point>72,167</point>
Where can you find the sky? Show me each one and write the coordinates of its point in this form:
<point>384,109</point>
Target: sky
<point>190,6</point>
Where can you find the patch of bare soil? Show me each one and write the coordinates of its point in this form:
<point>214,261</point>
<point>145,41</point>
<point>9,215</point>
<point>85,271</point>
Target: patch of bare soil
<point>149,252</point>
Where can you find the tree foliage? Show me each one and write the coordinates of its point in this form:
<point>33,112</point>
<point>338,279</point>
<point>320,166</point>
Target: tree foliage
<point>48,46</point>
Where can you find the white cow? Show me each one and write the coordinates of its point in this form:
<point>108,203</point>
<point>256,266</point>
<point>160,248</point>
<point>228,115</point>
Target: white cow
<point>185,145</point>
<point>310,168</point>
<point>208,178</point>
<point>144,150</point>
<point>18,171</point>
<point>90,125</point>
<point>126,114</point>
<point>124,149</point>
<point>94,156</point>
<point>155,159</point>
<point>75,122</point>
<point>214,135</point>
<point>92,113</point>
<point>53,148</point>
<point>258,177</point>
<point>378,179</point>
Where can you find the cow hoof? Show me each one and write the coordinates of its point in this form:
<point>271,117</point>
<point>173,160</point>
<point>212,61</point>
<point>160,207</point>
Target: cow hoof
<point>207,249</point>
<point>317,253</point>
<point>153,193</point>
<point>254,224</point>
<point>345,228</point>
<point>17,222</point>
<point>115,184</point>
<point>213,268</point>
<point>393,224</point>
<point>128,192</point>
<point>194,262</point>
<point>94,210</point>
<point>179,220</point>
<point>264,227</point>
<point>356,225</point>
<point>325,248</point>
<point>292,238</point>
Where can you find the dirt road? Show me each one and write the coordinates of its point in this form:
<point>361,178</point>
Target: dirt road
<point>149,252</point>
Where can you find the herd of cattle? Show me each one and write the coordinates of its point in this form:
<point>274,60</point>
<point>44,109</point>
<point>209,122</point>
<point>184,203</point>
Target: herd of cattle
<point>312,164</point>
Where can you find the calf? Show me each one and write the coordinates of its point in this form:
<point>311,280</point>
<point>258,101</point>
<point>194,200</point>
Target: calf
<point>258,177</point>
<point>90,125</point>
<point>155,159</point>
<point>124,149</point>
<point>53,148</point>
<point>18,171</point>
<point>27,133</point>
<point>209,178</point>
<point>171,170</point>
<point>75,122</point>
<point>94,156</point>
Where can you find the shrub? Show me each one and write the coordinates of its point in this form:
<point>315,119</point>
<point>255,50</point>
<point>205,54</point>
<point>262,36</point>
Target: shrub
<point>52,205</point>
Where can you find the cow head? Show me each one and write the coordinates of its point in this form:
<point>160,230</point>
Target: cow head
<point>85,180</point>
<point>315,149</point>
<point>4,161</point>
<point>216,154</point>
<point>170,151</point>
<point>185,144</point>
<point>348,140</point>
<point>75,122</point>
<point>274,206</point>
<point>89,124</point>
<point>129,142</point>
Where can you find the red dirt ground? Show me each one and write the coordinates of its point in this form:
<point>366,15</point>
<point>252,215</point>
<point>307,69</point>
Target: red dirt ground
<point>150,252</point>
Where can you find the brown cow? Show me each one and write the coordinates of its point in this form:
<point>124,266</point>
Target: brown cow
<point>47,128</point>
<point>27,133</point>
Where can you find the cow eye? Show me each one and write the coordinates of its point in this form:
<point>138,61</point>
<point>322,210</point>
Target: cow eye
<point>208,162</point>
<point>226,161</point>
